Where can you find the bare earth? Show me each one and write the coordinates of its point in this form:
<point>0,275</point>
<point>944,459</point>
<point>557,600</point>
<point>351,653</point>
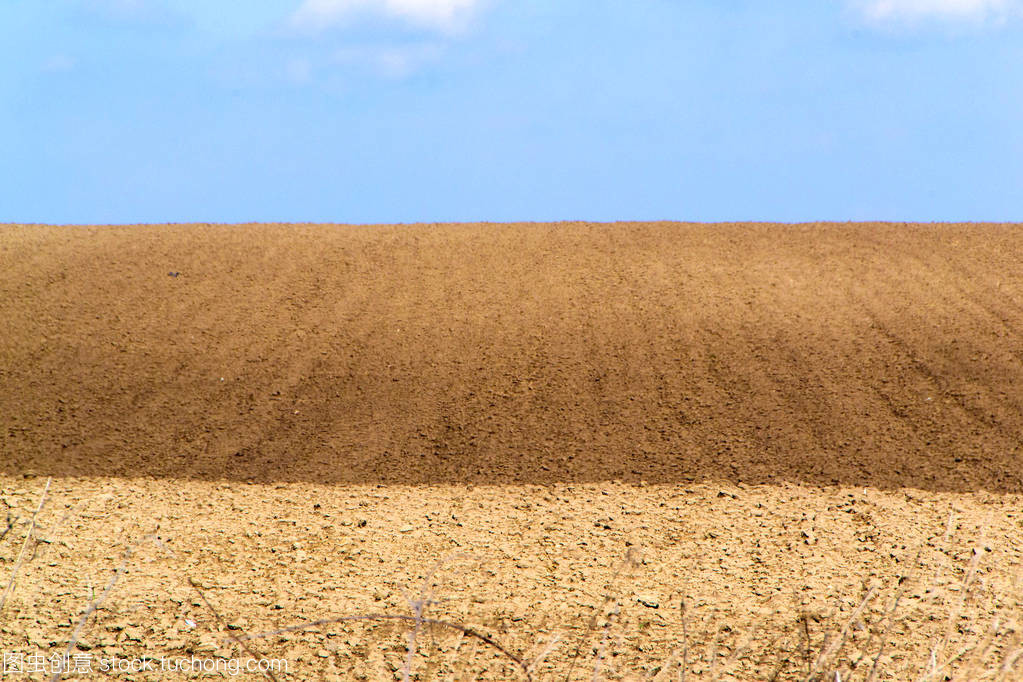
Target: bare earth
<point>675,448</point>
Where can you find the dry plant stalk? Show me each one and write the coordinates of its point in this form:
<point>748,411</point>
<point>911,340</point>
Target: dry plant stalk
<point>630,561</point>
<point>216,614</point>
<point>468,631</point>
<point>831,650</point>
<point>96,603</point>
<point>418,607</point>
<point>24,545</point>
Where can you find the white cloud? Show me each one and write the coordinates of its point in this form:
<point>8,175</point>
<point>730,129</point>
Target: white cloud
<point>912,11</point>
<point>443,15</point>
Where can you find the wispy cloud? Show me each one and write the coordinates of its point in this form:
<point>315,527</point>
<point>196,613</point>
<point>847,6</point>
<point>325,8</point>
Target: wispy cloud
<point>442,15</point>
<point>913,11</point>
<point>391,61</point>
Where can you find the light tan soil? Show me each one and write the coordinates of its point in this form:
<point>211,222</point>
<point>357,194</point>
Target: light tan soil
<point>566,429</point>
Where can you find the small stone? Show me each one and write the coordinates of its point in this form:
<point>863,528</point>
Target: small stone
<point>207,644</point>
<point>648,600</point>
<point>133,634</point>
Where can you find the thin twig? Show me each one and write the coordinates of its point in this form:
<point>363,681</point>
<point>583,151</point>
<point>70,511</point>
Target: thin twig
<point>216,614</point>
<point>1009,664</point>
<point>949,531</point>
<point>685,642</point>
<point>979,652</point>
<point>712,650</point>
<point>628,562</point>
<point>953,615</point>
<point>836,646</point>
<point>805,620</point>
<point>11,520</point>
<point>21,554</point>
<point>603,643</point>
<point>53,531</point>
<point>489,641</point>
<point>418,606</point>
<point>890,621</point>
<point>545,652</point>
<point>96,603</point>
<point>737,652</point>
<point>662,670</point>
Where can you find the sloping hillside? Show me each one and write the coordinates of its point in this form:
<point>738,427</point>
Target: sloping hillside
<point>858,354</point>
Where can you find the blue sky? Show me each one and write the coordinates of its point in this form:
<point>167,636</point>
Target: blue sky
<point>365,111</point>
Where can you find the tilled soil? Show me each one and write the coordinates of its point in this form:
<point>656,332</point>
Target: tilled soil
<point>646,439</point>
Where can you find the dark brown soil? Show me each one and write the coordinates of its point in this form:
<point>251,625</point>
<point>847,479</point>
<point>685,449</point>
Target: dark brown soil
<point>886,355</point>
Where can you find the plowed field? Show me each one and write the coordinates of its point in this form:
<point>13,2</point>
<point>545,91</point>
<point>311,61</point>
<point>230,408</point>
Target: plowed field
<point>676,447</point>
